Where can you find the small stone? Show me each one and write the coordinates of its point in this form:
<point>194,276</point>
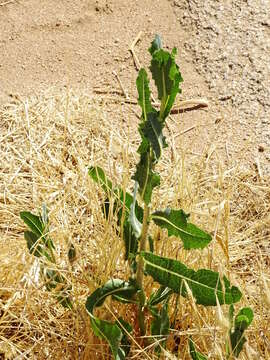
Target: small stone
<point>261,148</point>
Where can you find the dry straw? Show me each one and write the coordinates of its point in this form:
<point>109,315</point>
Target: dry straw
<point>46,145</point>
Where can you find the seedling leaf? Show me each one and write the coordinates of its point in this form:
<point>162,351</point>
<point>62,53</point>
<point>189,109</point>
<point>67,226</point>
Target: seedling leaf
<point>175,221</point>
<point>34,245</point>
<point>98,175</point>
<point>205,285</point>
<point>34,222</point>
<point>241,322</point>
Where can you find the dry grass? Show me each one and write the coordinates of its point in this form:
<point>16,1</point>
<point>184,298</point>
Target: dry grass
<point>46,145</point>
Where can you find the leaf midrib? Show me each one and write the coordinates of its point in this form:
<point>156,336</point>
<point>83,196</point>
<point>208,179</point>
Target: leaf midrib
<point>176,227</point>
<point>183,277</point>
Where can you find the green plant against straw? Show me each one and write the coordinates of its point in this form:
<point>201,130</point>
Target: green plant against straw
<point>134,214</point>
<point>206,286</point>
<point>40,244</point>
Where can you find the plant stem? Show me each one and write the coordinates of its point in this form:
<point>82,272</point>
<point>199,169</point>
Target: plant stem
<point>140,268</point>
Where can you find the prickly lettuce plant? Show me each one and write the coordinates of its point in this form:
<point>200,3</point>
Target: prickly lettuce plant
<point>134,215</point>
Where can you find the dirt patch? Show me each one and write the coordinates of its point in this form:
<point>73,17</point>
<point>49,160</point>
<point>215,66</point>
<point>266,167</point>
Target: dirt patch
<point>229,43</point>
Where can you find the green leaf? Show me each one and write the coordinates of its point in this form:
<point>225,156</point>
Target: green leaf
<point>98,175</point>
<point>160,325</point>
<point>205,285</point>
<point>34,222</point>
<point>104,329</point>
<point>156,44</point>
<point>125,342</point>
<point>111,333</point>
<point>112,287</point>
<point>35,246</point>
<point>152,132</point>
<point>175,221</point>
<point>241,322</point>
<point>56,283</point>
<point>134,222</point>
<point>119,196</point>
<point>195,355</point>
<point>163,293</point>
<point>38,227</point>
<point>146,177</point>
<point>130,240</point>
<point>121,202</point>
<point>167,77</point>
<point>151,243</point>
<point>244,318</point>
<point>65,301</point>
<point>144,99</point>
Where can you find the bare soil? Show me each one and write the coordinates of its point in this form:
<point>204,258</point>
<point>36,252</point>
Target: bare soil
<point>222,55</point>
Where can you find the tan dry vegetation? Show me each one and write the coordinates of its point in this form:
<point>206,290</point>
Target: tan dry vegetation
<point>46,146</point>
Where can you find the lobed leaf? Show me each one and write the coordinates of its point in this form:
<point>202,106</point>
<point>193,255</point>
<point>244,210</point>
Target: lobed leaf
<point>205,285</point>
<point>121,203</point>
<point>175,221</point>
<point>144,99</point>
<point>72,253</point>
<point>125,341</point>
<point>38,227</point>
<point>166,75</point>
<point>152,134</point>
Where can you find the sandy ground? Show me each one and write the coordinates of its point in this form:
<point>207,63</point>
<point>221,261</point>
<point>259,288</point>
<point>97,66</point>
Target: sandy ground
<point>222,54</point>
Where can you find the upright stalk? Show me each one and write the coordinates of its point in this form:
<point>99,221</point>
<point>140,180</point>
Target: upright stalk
<point>140,269</point>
